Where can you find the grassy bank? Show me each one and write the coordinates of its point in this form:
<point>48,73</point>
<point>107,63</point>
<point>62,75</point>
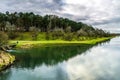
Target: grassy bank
<point>50,42</point>
<point>6,59</point>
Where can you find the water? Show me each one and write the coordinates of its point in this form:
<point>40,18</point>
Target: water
<point>98,62</point>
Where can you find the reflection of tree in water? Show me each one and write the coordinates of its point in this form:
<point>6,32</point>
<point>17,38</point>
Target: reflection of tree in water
<point>48,55</point>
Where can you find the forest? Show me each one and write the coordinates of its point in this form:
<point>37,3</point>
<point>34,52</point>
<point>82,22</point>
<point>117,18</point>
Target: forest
<point>30,26</point>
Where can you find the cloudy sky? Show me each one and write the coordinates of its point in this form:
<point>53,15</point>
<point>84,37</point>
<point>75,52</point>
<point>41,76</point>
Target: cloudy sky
<point>103,14</point>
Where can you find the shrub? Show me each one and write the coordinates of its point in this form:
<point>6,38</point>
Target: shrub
<point>68,36</point>
<point>13,35</point>
<point>57,34</point>
<point>3,38</point>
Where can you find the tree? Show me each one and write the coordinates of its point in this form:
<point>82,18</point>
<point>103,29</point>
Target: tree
<point>24,21</point>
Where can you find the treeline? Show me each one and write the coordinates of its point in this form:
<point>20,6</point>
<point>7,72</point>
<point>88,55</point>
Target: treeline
<point>52,25</point>
<point>48,23</point>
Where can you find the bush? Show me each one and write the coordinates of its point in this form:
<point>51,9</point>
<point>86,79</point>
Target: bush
<point>68,36</point>
<point>25,36</point>
<point>3,38</point>
<point>57,34</point>
<point>35,35</point>
<point>13,35</point>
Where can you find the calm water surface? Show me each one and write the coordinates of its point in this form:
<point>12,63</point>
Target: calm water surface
<point>98,62</point>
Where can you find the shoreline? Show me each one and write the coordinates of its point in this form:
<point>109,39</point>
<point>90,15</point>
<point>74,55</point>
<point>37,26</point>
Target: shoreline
<point>59,42</point>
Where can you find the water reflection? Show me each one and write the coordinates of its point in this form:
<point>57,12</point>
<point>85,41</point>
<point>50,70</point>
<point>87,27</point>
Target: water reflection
<point>98,63</point>
<point>48,55</point>
<point>101,63</point>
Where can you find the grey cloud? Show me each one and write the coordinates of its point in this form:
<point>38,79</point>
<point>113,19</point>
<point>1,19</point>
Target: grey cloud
<point>113,20</point>
<point>37,6</point>
<point>94,12</point>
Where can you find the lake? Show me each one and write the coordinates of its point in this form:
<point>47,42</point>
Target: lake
<point>84,62</point>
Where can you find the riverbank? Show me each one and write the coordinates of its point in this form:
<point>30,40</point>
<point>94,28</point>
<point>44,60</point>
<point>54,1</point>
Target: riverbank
<point>6,60</point>
<point>60,42</point>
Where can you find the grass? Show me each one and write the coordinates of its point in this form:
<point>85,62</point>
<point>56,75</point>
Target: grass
<point>50,42</point>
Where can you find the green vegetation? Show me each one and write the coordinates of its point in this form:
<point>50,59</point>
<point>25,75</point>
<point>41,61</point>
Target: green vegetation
<point>47,29</point>
<point>53,26</point>
<point>28,44</point>
<point>3,38</point>
<point>41,36</point>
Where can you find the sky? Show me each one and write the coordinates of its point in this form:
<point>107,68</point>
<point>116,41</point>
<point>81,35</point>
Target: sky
<point>104,14</point>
